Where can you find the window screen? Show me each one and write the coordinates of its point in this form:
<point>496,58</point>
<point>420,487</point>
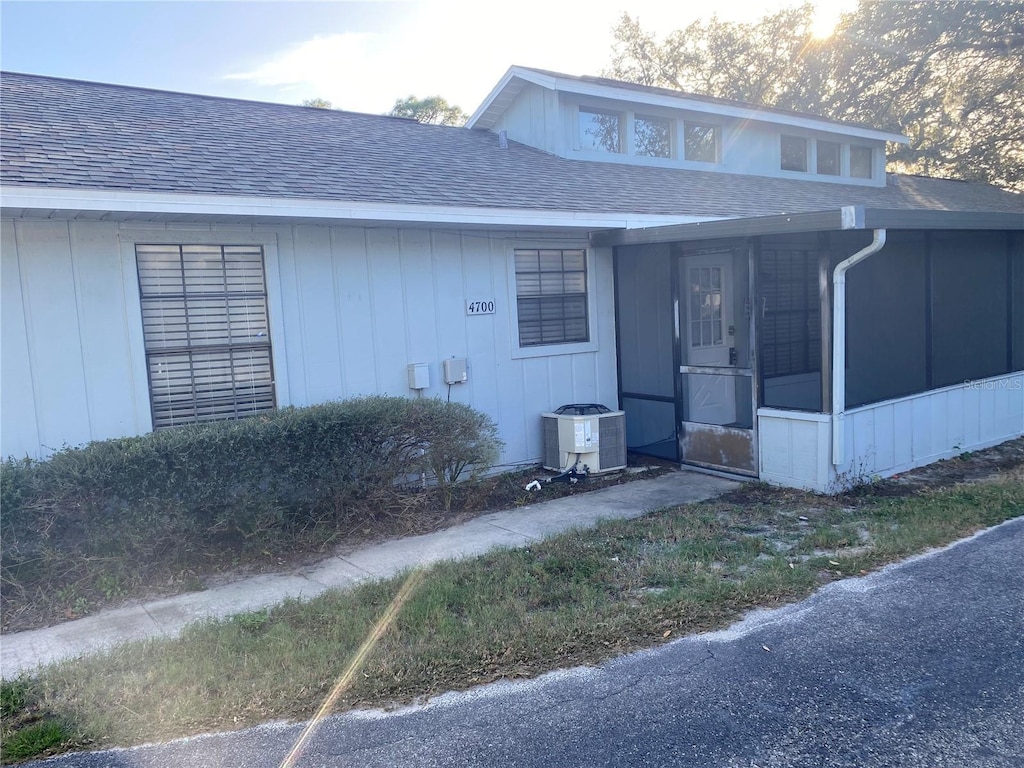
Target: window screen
<point>652,136</point>
<point>599,131</point>
<point>700,142</point>
<point>551,296</point>
<point>204,319</point>
<point>828,158</point>
<point>861,162</point>
<point>794,153</point>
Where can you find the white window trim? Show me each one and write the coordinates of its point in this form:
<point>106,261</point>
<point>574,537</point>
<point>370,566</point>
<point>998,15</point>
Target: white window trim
<point>809,155</point>
<point>845,153</point>
<point>673,130</point>
<point>848,168</point>
<point>550,350</point>
<point>129,236</point>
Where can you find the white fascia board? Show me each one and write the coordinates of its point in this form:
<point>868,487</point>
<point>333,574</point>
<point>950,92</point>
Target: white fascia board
<point>596,90</point>
<point>127,202</point>
<point>486,104</point>
<point>486,115</point>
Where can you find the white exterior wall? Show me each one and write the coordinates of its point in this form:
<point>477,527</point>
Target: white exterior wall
<point>794,449</point>
<point>548,120</point>
<point>887,438</point>
<point>533,119</point>
<point>72,343</point>
<point>884,439</point>
<point>349,307</point>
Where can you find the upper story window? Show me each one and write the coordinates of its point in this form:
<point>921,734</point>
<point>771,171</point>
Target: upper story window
<point>652,136</point>
<point>700,142</point>
<point>861,162</point>
<point>599,131</point>
<point>828,158</point>
<point>794,153</point>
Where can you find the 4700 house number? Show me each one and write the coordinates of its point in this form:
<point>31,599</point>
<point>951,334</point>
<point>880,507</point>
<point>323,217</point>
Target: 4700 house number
<point>479,307</point>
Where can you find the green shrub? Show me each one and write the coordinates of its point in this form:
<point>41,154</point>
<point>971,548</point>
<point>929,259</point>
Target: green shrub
<point>141,497</point>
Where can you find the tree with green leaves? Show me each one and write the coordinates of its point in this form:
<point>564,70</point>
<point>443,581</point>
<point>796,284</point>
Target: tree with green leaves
<point>432,109</point>
<point>949,75</point>
<point>318,103</point>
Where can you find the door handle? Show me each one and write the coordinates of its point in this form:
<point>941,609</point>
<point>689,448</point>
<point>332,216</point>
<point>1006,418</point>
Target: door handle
<point>733,357</point>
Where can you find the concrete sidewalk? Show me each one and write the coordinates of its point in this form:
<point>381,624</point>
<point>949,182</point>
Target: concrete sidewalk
<point>23,651</point>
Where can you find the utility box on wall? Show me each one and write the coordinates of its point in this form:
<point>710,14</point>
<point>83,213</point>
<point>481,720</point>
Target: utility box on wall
<point>584,435</point>
<point>419,375</point>
<point>454,370</point>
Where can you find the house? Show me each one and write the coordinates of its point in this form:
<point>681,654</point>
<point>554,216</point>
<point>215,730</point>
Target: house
<point>747,284</point>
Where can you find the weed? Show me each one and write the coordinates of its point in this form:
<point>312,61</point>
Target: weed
<point>35,740</point>
<point>13,697</point>
<point>253,621</point>
<point>111,585</point>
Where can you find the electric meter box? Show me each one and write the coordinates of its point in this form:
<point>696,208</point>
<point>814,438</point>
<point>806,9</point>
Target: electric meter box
<point>454,370</point>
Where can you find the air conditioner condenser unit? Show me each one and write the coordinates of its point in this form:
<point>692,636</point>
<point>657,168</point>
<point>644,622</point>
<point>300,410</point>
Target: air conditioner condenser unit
<point>586,436</point>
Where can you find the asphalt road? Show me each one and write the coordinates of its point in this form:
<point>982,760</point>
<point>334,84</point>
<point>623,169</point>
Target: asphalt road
<point>921,664</point>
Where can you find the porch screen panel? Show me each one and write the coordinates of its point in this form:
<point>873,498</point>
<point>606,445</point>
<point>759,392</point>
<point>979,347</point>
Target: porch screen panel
<point>207,338</point>
<point>1017,300</point>
<point>970,325</point>
<point>645,322</point>
<point>790,329</point>
<point>886,319</point>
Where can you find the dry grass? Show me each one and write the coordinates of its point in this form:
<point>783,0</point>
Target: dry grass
<point>579,598</point>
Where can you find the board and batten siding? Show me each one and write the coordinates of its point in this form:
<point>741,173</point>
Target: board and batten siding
<point>350,308</point>
<point>71,342</point>
<point>884,439</point>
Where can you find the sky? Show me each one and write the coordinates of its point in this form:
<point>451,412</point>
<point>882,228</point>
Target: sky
<point>360,56</point>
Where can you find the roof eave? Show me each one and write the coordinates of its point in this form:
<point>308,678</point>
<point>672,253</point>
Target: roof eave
<point>846,218</point>
<point>18,201</point>
<point>487,114</point>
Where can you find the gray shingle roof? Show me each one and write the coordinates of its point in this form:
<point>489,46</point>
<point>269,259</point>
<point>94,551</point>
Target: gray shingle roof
<point>71,134</point>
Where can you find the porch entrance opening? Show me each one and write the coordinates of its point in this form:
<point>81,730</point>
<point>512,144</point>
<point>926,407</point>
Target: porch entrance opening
<point>716,378</point>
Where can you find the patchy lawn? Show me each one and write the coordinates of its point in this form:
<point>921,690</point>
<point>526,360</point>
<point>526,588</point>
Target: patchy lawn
<point>578,598</point>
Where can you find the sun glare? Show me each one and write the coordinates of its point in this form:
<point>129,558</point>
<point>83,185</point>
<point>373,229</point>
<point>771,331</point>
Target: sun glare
<point>826,16</point>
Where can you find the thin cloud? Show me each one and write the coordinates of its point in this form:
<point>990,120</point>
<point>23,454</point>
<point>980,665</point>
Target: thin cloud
<point>317,66</point>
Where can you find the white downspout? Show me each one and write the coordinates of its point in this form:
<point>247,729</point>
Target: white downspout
<point>839,341</point>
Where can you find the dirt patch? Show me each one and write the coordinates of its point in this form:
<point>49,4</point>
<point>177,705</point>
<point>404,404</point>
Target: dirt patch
<point>970,466</point>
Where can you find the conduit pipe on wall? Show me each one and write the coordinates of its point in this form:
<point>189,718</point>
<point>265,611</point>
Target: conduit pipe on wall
<point>839,341</point>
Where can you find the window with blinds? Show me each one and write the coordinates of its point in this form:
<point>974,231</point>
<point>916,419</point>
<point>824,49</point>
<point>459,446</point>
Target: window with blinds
<point>207,338</point>
<point>791,313</point>
<point>551,296</point>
